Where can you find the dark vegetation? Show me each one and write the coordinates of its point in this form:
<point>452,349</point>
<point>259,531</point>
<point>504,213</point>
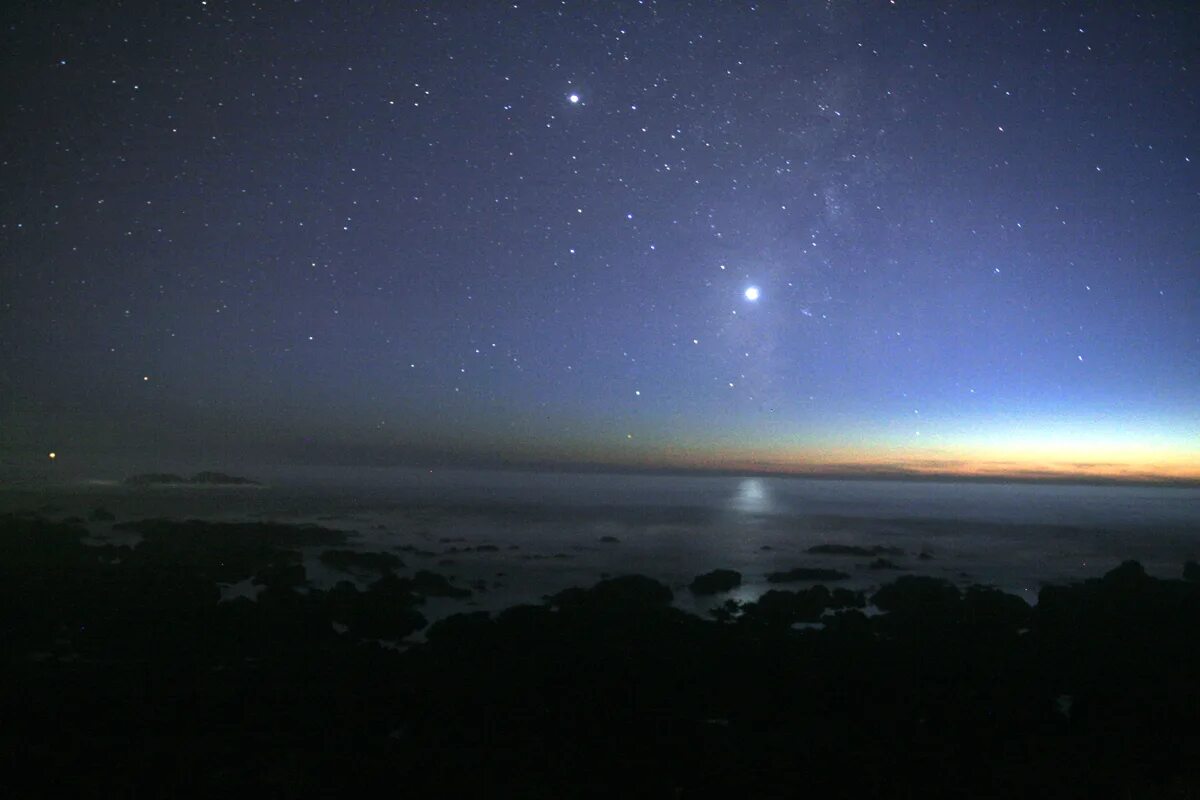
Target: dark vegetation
<point>124,676</point>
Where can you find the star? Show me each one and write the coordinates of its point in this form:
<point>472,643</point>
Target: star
<point>752,293</point>
<point>573,99</point>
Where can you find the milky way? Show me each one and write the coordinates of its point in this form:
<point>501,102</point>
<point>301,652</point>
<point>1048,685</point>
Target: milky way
<point>865,235</point>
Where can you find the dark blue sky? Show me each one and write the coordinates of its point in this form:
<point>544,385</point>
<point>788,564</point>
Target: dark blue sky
<point>301,232</point>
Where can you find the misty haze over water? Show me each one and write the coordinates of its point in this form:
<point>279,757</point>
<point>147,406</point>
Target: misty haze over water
<point>544,532</point>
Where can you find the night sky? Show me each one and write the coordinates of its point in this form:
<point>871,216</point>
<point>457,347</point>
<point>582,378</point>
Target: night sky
<point>811,237</point>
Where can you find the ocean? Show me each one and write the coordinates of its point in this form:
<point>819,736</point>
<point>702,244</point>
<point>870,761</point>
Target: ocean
<point>516,537</point>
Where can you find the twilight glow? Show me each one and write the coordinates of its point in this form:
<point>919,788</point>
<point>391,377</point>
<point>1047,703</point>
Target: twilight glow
<point>812,239</point>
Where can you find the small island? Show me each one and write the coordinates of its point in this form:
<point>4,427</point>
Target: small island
<point>206,478</point>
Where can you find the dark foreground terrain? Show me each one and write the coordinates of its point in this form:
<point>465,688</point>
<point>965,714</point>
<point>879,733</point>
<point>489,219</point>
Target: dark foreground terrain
<point>124,675</point>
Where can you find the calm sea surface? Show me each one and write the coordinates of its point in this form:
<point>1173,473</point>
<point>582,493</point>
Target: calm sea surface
<point>546,532</point>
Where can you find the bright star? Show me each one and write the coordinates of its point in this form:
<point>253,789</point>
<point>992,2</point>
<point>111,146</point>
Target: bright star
<point>752,293</point>
<point>574,99</point>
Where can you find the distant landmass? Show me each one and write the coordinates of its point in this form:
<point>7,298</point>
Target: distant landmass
<point>207,478</point>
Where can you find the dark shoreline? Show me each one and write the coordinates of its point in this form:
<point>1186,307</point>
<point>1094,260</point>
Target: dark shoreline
<point>127,675</point>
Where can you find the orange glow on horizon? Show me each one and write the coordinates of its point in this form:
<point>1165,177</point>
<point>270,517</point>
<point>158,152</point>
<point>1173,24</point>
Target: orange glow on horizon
<point>983,465</point>
<point>1018,461</point>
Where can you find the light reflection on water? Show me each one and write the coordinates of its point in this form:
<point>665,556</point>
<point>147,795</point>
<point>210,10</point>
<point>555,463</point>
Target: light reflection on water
<point>551,532</point>
<point>752,497</point>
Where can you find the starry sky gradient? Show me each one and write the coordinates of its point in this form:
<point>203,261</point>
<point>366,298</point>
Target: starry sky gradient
<point>522,233</point>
